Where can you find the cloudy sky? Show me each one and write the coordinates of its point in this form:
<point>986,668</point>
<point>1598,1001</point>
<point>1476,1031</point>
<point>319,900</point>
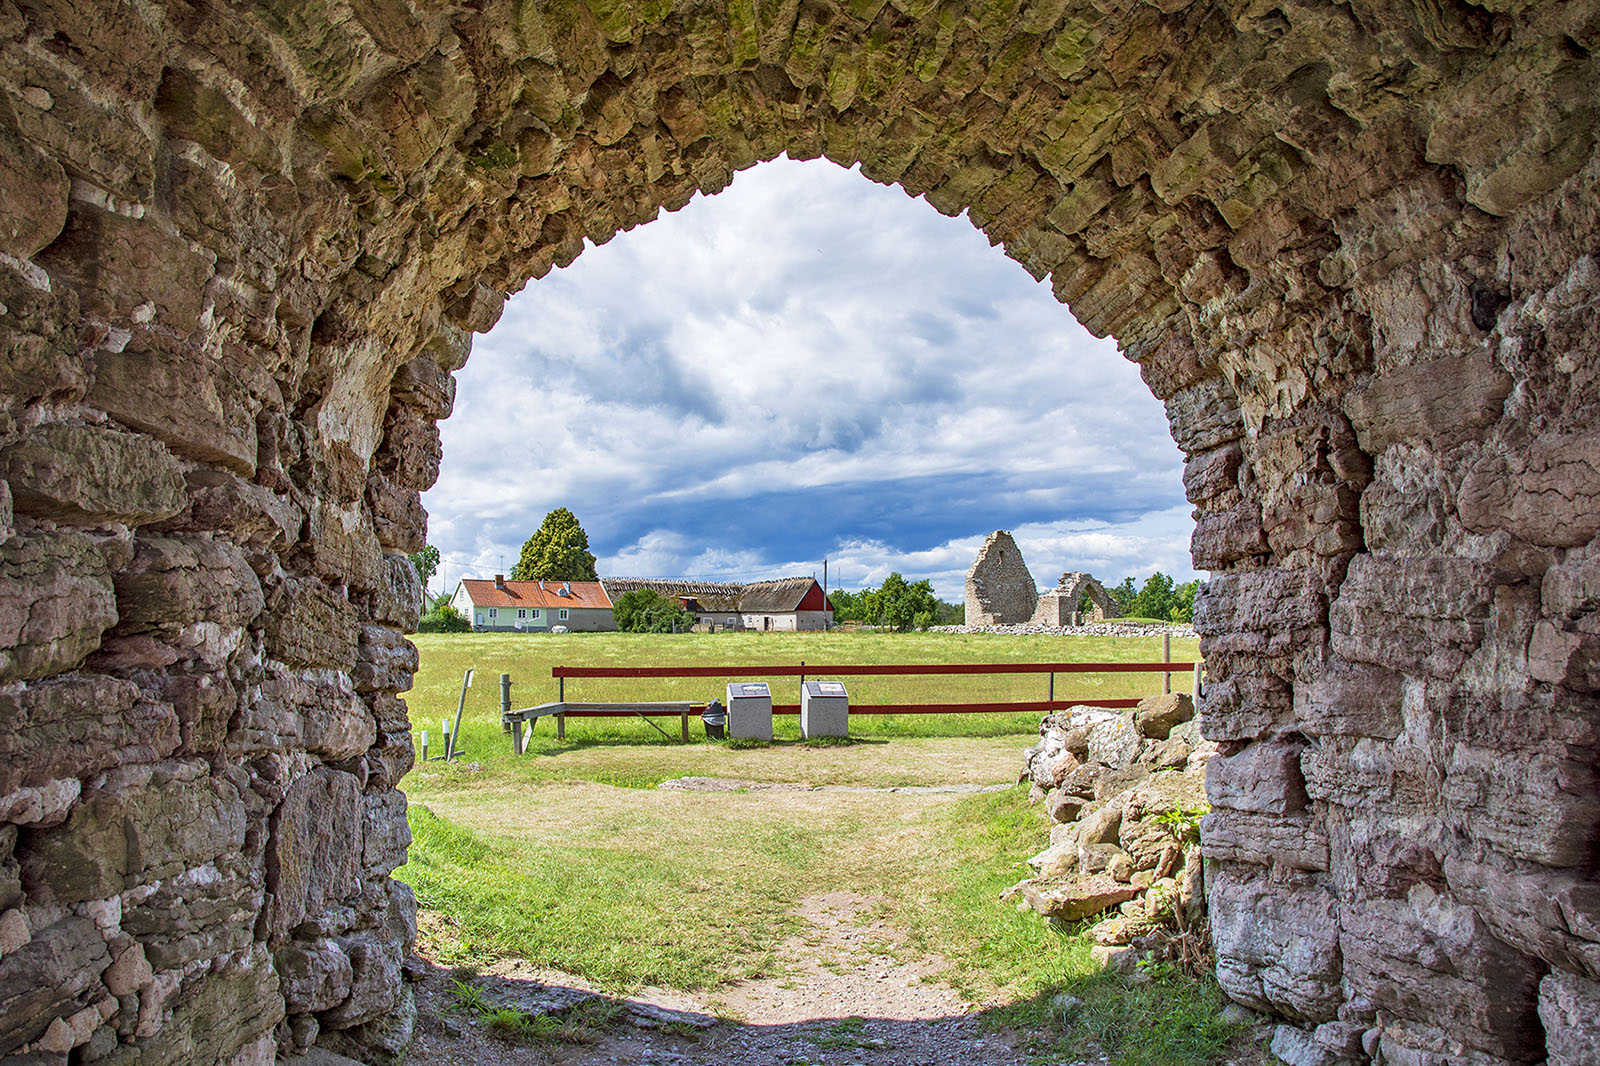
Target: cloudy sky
<point>806,366</point>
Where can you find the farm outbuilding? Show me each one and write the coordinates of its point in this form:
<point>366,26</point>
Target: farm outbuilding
<point>789,604</point>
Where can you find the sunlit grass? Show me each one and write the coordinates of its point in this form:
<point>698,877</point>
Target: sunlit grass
<point>527,658</point>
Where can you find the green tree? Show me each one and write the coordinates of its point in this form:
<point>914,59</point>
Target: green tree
<point>647,611</point>
<point>427,563</point>
<point>1183,601</point>
<point>557,551</point>
<point>444,619</point>
<point>847,606</point>
<point>1155,599</point>
<point>901,604</point>
<point>1123,595</point>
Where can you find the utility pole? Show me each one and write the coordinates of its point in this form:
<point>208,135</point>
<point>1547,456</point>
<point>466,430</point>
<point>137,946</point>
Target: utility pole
<point>824,593</point>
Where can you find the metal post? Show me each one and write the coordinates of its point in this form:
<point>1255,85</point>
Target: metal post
<point>1052,686</point>
<point>449,739</point>
<point>505,701</point>
<point>424,745</point>
<point>1166,657</point>
<point>453,736</point>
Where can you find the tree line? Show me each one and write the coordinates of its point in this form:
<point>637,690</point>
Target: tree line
<point>559,551</point>
<point>896,604</point>
<point>1158,598</point>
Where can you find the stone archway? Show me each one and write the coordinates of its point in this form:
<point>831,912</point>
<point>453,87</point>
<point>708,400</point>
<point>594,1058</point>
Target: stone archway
<point>1350,246</point>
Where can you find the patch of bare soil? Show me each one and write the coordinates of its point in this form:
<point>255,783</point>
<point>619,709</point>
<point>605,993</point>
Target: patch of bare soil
<point>844,995</point>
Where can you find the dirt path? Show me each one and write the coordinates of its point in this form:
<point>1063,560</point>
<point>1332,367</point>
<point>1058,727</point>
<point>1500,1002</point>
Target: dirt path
<point>844,996</point>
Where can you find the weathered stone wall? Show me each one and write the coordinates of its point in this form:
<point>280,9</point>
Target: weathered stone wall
<point>242,247</point>
<point>1059,606</point>
<point>1000,590</point>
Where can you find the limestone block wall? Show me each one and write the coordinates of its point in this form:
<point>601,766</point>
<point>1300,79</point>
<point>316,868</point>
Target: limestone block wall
<point>242,247</point>
<point>1059,606</point>
<point>1000,590</point>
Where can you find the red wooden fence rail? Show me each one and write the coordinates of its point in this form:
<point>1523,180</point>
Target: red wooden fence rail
<point>809,669</point>
<point>561,710</point>
<point>803,669</point>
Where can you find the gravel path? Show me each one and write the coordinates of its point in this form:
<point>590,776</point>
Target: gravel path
<point>843,998</point>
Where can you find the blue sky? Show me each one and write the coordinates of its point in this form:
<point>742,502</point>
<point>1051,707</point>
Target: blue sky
<point>806,365</point>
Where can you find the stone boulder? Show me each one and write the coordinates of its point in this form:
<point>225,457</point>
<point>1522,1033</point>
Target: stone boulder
<point>1157,715</point>
<point>1072,901</point>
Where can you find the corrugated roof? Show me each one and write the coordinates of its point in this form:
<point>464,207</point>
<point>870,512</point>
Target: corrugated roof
<point>586,594</point>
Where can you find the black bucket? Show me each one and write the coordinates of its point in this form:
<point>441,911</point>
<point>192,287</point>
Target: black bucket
<point>715,717</point>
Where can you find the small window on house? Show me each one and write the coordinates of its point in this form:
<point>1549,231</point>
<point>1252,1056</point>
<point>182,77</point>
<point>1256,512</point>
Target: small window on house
<point>536,612</point>
<point>522,612</point>
<point>494,612</point>
<point>563,614</point>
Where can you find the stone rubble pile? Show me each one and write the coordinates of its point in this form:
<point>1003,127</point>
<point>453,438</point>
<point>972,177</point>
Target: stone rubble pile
<point>1124,792</point>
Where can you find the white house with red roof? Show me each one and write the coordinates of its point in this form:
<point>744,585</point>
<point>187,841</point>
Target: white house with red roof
<point>503,606</point>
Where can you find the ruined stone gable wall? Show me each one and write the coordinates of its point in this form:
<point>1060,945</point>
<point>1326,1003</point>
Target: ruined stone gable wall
<point>1000,590</point>
<point>243,246</point>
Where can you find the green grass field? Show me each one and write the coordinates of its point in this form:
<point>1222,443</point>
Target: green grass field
<point>529,657</point>
<point>568,857</point>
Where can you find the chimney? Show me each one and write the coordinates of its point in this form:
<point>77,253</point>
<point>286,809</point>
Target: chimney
<point>499,581</point>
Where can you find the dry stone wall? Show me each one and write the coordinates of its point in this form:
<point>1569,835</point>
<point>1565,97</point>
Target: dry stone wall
<point>243,246</point>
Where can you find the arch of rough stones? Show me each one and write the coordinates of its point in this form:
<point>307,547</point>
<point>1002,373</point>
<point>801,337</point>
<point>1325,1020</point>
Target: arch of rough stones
<point>243,246</point>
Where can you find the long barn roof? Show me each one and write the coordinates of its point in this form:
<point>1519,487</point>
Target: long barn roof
<point>782,594</point>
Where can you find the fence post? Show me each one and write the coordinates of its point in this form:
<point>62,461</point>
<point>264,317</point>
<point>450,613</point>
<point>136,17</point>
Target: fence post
<point>685,727</point>
<point>561,726</point>
<point>449,741</point>
<point>1197,684</point>
<point>1052,686</point>
<point>516,737</point>
<point>424,745</point>
<point>452,737</point>
<point>1166,657</point>
<point>505,701</point>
